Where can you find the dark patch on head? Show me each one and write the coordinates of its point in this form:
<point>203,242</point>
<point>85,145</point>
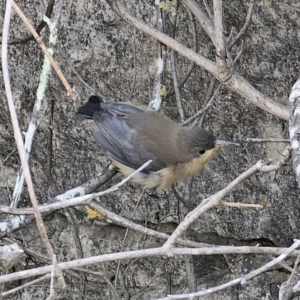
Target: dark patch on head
<point>199,137</point>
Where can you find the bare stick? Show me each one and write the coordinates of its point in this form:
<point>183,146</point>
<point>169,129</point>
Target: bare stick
<point>70,91</point>
<point>202,18</point>
<point>296,264</point>
<point>18,134</point>
<point>139,254</point>
<point>244,28</point>
<point>190,274</point>
<point>52,290</point>
<point>120,221</point>
<point>296,287</point>
<point>65,200</point>
<point>208,9</point>
<point>38,29</point>
<point>163,38</point>
<point>156,99</point>
<point>176,86</point>
<point>285,156</point>
<point>192,65</point>
<point>16,222</point>
<point>242,205</point>
<point>91,89</point>
<point>290,287</point>
<point>174,71</point>
<point>13,291</point>
<point>204,109</point>
<point>268,140</point>
<point>126,234</point>
<point>37,109</point>
<point>219,40</point>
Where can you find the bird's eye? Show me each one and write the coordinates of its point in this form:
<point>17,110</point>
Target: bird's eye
<point>201,152</point>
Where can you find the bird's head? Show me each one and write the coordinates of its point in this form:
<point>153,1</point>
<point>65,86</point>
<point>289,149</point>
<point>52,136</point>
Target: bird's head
<point>200,142</point>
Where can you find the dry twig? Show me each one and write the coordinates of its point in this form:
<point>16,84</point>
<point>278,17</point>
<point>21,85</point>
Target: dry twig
<point>17,131</point>
<point>70,91</point>
<point>161,251</point>
<point>268,140</point>
<point>245,26</point>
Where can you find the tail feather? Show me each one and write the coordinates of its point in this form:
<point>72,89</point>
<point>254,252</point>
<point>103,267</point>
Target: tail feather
<point>89,108</point>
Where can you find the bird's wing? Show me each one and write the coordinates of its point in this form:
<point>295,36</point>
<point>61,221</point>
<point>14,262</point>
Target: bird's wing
<point>119,138</point>
<point>121,109</point>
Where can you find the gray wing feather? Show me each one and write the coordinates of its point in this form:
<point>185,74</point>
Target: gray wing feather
<point>121,109</point>
<point>119,138</point>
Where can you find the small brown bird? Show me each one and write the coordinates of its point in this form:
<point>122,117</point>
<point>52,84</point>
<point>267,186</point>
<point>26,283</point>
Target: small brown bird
<point>133,135</point>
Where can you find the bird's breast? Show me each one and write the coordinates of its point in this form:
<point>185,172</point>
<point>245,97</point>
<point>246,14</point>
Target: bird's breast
<point>182,171</point>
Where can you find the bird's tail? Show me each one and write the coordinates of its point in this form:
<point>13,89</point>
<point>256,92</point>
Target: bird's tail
<point>89,108</point>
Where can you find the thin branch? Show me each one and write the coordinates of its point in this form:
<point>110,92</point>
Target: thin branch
<point>52,290</point>
<point>78,247</point>
<point>268,140</point>
<point>81,190</point>
<point>242,205</point>
<point>296,265</point>
<point>38,29</point>
<point>147,65</point>
<point>192,64</point>
<point>38,107</point>
<point>126,234</point>
<point>174,71</point>
<point>156,99</point>
<point>180,197</point>
<point>220,41</point>
<point>202,18</point>
<point>70,91</point>
<point>190,274</point>
<point>17,222</point>
<point>176,86</point>
<point>133,84</point>
<point>244,28</point>
<point>30,283</point>
<point>205,108</point>
<point>285,156</point>
<point>118,220</point>
<point>152,252</point>
<point>18,134</point>
<point>79,77</point>
<point>208,10</point>
<point>163,38</point>
<point>105,276</point>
